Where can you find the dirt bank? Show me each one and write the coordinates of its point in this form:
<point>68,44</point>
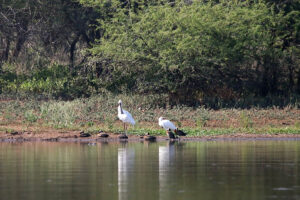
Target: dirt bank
<point>75,136</point>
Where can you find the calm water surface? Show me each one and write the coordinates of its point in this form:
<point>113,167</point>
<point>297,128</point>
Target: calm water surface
<point>233,170</point>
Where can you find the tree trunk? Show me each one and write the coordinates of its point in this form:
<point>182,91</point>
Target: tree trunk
<point>20,41</point>
<point>291,78</point>
<point>72,50</point>
<point>264,84</point>
<point>274,81</point>
<point>6,52</point>
<point>298,83</point>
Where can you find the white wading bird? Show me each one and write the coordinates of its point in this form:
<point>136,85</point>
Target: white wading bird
<point>169,126</point>
<point>124,116</point>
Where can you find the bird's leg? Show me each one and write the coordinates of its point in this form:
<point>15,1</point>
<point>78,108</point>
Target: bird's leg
<point>124,128</point>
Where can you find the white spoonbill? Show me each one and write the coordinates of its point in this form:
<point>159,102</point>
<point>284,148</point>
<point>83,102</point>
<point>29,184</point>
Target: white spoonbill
<point>169,126</point>
<point>124,116</point>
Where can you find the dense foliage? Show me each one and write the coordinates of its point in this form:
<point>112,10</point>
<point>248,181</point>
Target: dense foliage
<point>187,50</point>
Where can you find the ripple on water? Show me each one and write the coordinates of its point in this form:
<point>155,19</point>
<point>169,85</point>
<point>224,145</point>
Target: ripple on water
<point>282,189</point>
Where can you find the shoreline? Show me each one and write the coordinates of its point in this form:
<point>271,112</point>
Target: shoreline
<point>74,136</point>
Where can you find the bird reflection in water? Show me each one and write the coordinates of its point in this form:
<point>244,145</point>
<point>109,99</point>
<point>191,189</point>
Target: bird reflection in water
<point>166,161</point>
<point>125,166</point>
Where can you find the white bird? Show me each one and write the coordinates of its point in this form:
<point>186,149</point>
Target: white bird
<point>125,116</point>
<point>166,124</point>
<point>169,126</point>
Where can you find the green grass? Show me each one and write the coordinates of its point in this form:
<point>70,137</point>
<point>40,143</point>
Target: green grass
<point>100,113</point>
<point>196,132</point>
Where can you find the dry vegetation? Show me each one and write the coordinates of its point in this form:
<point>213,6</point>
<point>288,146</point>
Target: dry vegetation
<point>100,113</point>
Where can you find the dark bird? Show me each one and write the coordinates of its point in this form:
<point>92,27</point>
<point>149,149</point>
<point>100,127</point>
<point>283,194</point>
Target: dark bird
<point>103,135</point>
<point>171,134</point>
<point>149,137</point>
<point>83,134</point>
<point>179,132</point>
<point>14,133</point>
<point>123,136</point>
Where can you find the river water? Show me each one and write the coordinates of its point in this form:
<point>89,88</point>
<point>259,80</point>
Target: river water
<point>208,170</point>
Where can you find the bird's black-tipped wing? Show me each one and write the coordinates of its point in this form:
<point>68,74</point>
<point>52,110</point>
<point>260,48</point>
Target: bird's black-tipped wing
<point>180,132</point>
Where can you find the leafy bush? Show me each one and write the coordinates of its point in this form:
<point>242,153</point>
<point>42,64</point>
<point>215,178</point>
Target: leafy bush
<point>30,116</point>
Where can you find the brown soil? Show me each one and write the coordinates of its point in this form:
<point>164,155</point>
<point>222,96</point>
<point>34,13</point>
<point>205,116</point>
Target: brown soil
<point>54,135</point>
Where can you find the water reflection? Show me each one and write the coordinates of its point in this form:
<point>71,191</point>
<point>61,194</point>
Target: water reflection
<point>164,170</point>
<point>166,161</point>
<point>166,156</point>
<point>125,168</point>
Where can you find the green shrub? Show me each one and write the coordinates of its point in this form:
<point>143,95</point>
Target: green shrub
<point>245,120</point>
<point>30,116</point>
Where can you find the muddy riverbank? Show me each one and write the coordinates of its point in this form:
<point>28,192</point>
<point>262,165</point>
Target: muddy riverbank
<point>76,136</point>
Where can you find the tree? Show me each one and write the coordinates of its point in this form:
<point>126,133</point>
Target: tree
<point>50,29</point>
<point>191,49</point>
